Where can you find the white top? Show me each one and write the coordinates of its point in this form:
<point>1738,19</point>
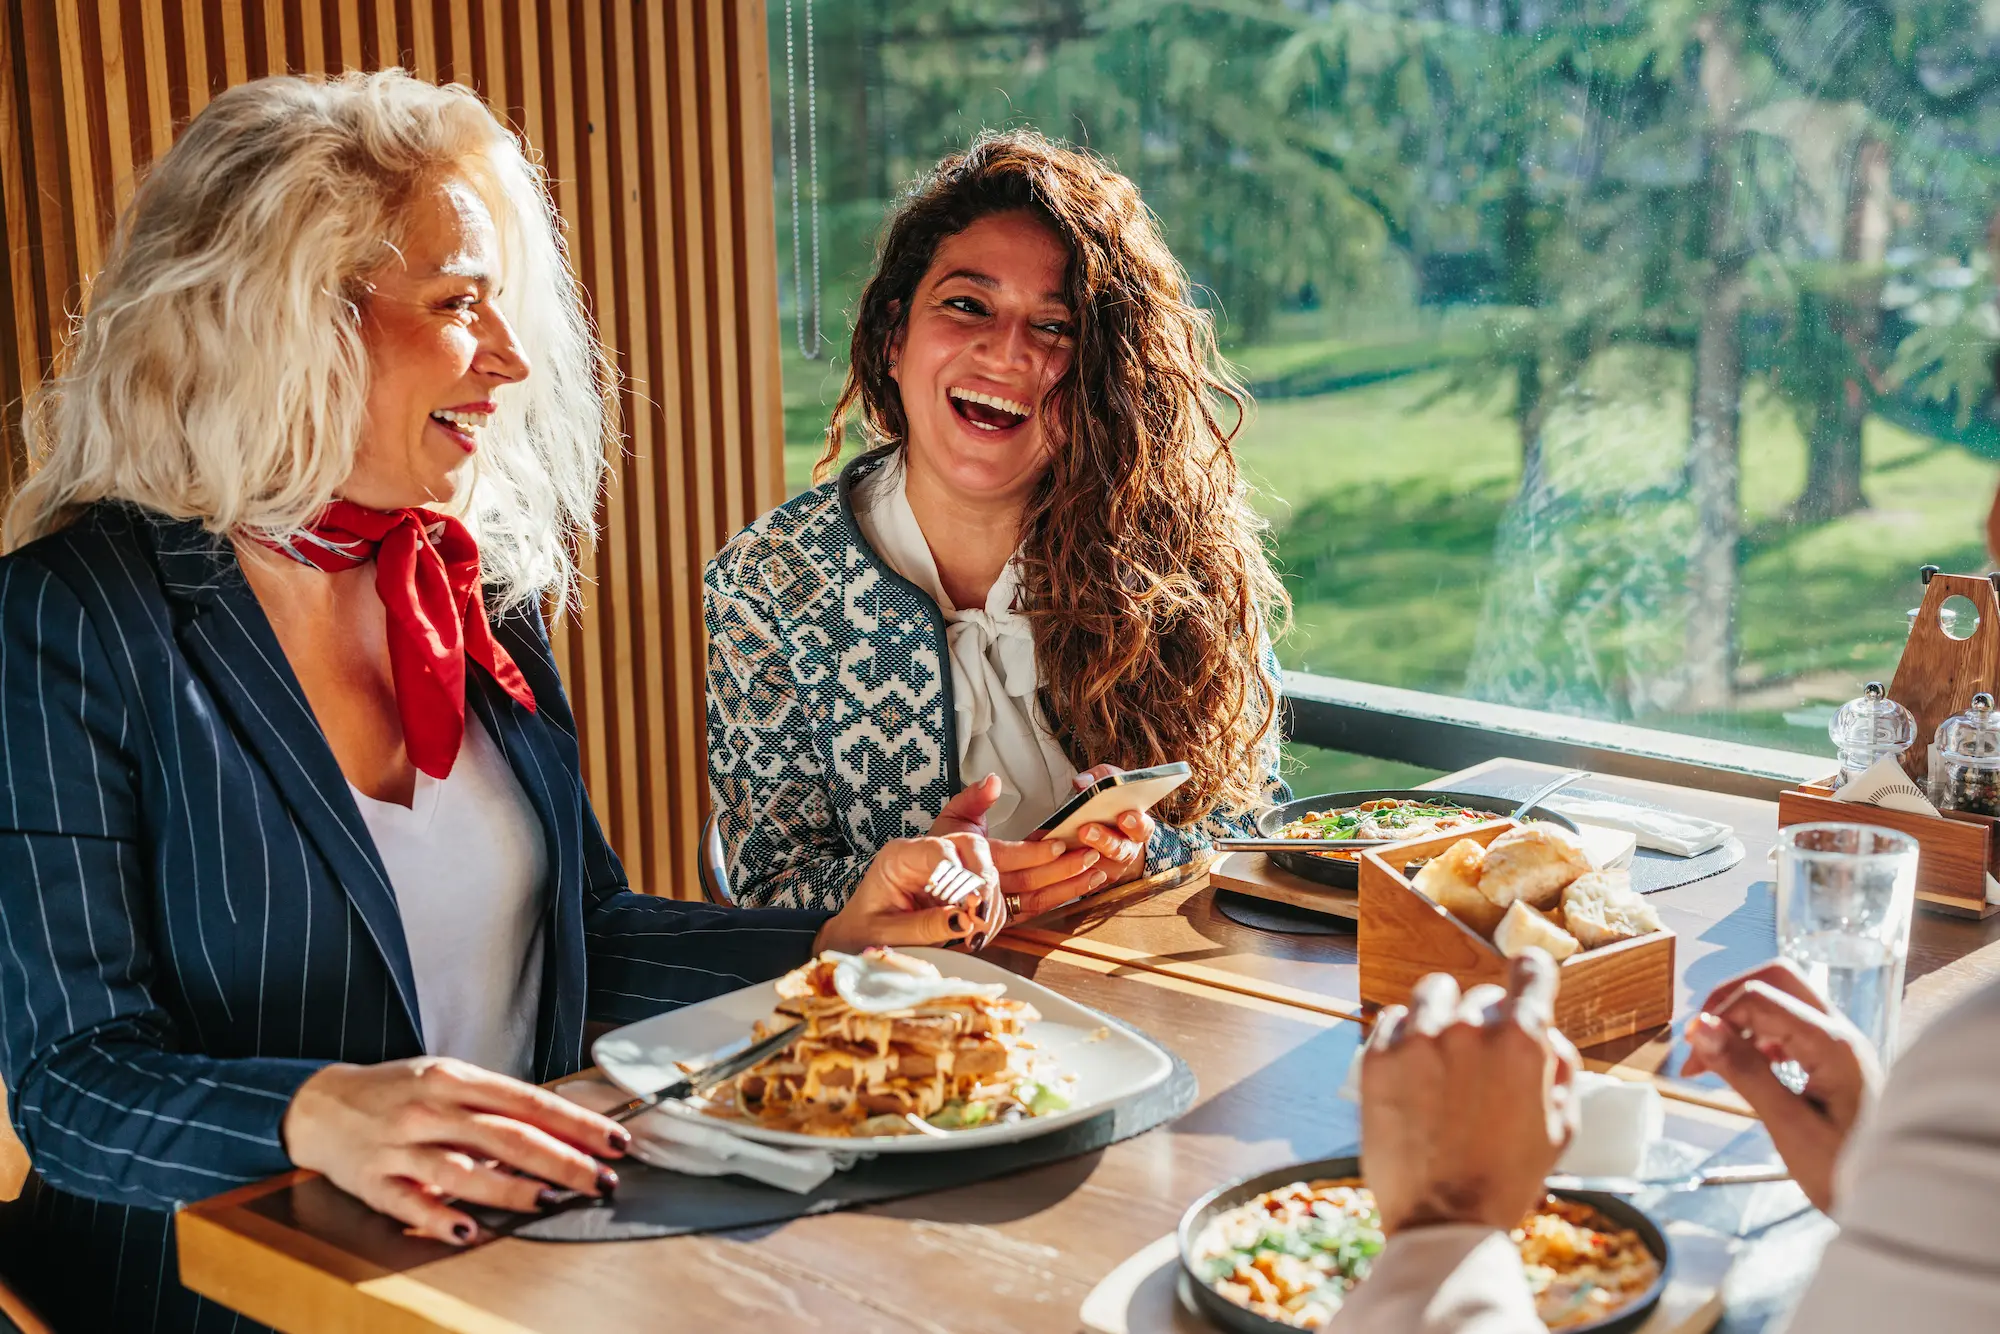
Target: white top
<point>1918,1203</point>
<point>468,861</point>
<point>993,673</point>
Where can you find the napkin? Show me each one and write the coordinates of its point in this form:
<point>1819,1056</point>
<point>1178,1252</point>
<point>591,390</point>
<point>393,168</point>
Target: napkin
<point>1884,784</point>
<point>1617,1121</point>
<point>1662,831</point>
<point>680,1144</point>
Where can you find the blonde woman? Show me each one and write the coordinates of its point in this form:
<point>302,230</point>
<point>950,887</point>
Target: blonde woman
<point>296,865</point>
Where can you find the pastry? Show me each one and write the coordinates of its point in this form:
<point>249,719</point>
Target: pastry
<point>1531,865</point>
<point>1602,908</point>
<point>1522,926</point>
<point>1451,880</point>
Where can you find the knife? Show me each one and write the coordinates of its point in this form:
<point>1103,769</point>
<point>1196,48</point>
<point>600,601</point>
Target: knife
<point>711,1072</point>
<point>1730,1174</point>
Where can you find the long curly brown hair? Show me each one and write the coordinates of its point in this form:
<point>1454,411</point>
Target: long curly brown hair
<point>1142,565</point>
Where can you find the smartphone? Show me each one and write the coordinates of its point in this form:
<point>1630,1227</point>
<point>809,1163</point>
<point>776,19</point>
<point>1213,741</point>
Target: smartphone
<point>1108,798</point>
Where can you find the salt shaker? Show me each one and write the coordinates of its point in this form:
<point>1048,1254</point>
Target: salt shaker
<point>1965,770</point>
<point>1868,728</point>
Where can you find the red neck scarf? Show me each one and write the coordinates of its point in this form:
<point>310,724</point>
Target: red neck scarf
<point>427,574</point>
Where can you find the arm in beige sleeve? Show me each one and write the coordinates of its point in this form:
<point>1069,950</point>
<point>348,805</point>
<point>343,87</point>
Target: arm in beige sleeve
<point>1457,1278</point>
<point>1919,1194</point>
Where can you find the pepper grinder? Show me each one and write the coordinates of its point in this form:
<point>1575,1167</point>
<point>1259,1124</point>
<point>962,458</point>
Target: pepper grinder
<point>1965,772</point>
<point>1866,729</point>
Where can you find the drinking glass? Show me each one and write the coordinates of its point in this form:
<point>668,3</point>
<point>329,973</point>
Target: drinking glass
<point>1845,892</point>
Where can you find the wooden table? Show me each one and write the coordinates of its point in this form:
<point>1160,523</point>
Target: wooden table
<point>1725,924</point>
<point>1016,1254</point>
<point>1262,1019</point>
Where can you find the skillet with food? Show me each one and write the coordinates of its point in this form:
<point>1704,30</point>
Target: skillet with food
<point>1397,815</point>
<point>1278,1252</point>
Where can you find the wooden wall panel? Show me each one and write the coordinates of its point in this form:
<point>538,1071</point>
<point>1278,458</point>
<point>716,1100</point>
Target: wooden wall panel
<point>653,119</point>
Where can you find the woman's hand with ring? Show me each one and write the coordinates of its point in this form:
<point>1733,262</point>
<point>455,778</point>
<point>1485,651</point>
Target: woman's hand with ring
<point>894,904</point>
<point>1039,874</point>
<point>408,1137</point>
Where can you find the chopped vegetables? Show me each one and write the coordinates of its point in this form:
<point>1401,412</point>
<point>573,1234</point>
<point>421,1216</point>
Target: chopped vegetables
<point>1386,820</point>
<point>1293,1254</point>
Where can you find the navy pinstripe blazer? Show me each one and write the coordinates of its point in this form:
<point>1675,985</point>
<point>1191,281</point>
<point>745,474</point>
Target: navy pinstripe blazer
<point>193,917</point>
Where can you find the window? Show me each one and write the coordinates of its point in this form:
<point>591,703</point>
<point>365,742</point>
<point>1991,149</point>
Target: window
<point>1622,358</point>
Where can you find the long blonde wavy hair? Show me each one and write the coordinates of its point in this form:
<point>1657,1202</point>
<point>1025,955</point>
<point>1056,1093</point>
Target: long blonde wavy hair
<point>218,371</point>
<point>1143,570</point>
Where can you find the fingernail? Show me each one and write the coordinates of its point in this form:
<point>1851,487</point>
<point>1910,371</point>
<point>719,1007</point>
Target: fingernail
<point>1705,1033</point>
<point>957,923</point>
<point>620,1139</point>
<point>547,1198</point>
<point>463,1231</point>
<point>1060,848</point>
<point>1098,879</point>
<point>1089,859</point>
<point>607,1181</point>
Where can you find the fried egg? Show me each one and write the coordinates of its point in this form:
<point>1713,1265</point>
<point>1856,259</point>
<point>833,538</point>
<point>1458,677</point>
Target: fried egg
<point>883,981</point>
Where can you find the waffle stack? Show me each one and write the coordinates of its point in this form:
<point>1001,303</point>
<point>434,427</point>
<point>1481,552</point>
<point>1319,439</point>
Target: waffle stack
<point>850,1066</point>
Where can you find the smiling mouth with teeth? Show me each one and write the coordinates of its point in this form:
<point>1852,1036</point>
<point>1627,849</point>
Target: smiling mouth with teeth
<point>988,412</point>
<point>463,424</point>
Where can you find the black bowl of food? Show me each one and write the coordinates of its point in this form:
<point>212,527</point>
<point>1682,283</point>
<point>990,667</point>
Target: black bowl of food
<point>1387,815</point>
<point>1279,1251</point>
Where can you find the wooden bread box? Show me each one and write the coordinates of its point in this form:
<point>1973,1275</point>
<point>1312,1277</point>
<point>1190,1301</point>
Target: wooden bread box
<point>1610,992</point>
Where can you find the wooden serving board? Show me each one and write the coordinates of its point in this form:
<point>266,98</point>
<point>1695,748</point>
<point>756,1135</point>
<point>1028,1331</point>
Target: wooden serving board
<point>1140,1296</point>
<point>1253,874</point>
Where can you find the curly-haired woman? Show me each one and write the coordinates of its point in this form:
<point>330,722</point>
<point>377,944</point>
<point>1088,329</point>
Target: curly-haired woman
<point>1042,567</point>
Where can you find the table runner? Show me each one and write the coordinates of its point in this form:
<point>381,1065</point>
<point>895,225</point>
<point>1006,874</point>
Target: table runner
<point>656,1203</point>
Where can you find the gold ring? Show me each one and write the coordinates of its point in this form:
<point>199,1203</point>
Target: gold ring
<point>1013,905</point>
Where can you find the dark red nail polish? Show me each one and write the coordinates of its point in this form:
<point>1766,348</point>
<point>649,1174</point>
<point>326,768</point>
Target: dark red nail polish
<point>463,1231</point>
<point>957,923</point>
<point>607,1181</point>
<point>548,1197</point>
<point>620,1139</point>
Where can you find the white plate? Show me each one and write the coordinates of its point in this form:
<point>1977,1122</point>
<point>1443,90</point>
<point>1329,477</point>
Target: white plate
<point>1109,1069</point>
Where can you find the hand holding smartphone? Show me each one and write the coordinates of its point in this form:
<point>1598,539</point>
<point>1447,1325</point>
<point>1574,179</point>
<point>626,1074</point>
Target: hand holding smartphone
<point>1112,796</point>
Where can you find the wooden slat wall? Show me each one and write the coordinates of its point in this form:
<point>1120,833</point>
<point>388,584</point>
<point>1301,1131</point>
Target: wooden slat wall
<point>653,118</point>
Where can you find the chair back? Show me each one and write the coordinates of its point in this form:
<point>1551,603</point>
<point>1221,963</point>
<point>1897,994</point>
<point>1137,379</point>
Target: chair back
<point>16,1316</point>
<point>714,864</point>
<point>13,1158</point>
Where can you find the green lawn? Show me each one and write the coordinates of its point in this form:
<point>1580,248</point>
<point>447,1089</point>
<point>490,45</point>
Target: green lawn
<point>1386,503</point>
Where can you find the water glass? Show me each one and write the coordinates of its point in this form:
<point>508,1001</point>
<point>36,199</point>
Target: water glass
<point>1845,892</point>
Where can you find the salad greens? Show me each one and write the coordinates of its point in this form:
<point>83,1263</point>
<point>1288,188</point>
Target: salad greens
<point>1343,823</point>
<point>1340,1246</point>
<point>1031,1097</point>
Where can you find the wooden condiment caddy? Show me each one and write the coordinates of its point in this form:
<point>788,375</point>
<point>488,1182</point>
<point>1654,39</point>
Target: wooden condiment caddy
<point>1936,678</point>
<point>1609,992</point>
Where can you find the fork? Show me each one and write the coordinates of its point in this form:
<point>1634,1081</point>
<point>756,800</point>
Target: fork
<point>951,885</point>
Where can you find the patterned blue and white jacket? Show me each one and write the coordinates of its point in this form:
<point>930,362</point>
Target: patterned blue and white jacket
<point>830,718</point>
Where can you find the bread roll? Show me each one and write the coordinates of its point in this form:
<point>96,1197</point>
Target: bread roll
<point>1531,865</point>
<point>1451,880</point>
<point>1602,908</point>
<point>1522,926</point>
